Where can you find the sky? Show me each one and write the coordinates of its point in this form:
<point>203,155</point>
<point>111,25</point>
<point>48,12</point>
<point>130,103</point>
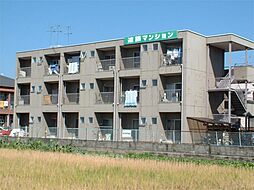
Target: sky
<point>25,25</point>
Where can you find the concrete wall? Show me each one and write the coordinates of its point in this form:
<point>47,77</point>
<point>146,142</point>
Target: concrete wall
<point>192,150</point>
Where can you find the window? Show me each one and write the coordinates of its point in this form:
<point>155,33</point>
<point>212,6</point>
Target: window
<point>90,119</point>
<point>145,47</point>
<point>142,121</point>
<point>33,89</point>
<point>154,120</point>
<point>34,60</point>
<point>92,53</point>
<point>39,89</point>
<point>83,54</point>
<point>31,120</point>
<point>91,85</point>
<point>82,120</point>
<point>155,82</point>
<point>82,86</point>
<point>40,59</point>
<point>39,119</point>
<point>143,83</point>
<point>155,47</point>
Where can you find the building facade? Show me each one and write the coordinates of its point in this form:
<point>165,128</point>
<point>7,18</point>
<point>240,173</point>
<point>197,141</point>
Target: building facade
<point>6,101</point>
<point>141,88</point>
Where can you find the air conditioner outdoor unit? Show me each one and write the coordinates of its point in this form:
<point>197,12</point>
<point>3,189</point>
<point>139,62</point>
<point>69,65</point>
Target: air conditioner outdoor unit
<point>111,68</point>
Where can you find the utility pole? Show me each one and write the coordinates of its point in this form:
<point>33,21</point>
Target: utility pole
<point>230,76</point>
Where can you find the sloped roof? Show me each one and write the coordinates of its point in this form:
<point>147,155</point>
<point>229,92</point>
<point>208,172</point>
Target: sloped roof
<point>6,81</point>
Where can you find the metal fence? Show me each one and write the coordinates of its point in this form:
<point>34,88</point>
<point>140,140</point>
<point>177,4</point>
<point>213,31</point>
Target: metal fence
<point>131,62</point>
<point>167,60</point>
<point>107,133</point>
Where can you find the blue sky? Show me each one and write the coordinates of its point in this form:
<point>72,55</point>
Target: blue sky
<point>24,25</point>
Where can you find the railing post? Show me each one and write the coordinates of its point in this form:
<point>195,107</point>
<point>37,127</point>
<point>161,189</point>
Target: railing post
<point>216,135</point>
<point>240,140</point>
<point>174,140</point>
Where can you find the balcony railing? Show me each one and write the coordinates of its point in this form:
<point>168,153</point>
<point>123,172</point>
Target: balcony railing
<point>169,60</point>
<point>105,98</point>
<point>25,72</point>
<point>24,100</point>
<point>72,132</point>
<point>131,62</point>
<point>71,98</point>
<point>52,132</point>
<point>132,99</point>
<point>50,99</point>
<point>105,133</point>
<point>171,95</point>
<point>106,65</point>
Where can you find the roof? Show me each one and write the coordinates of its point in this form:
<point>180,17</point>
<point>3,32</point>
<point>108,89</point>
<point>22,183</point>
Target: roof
<point>218,40</point>
<point>6,81</point>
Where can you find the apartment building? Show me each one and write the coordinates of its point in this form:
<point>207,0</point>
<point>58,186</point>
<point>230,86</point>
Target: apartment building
<point>150,87</point>
<point>6,100</point>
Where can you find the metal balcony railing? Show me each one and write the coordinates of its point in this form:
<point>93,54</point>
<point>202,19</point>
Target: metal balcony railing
<point>105,97</point>
<point>105,133</point>
<point>50,99</point>
<point>171,95</point>
<point>131,62</point>
<point>106,65</point>
<point>68,71</point>
<point>24,100</point>
<point>25,72</point>
<point>72,132</point>
<point>52,132</point>
<point>167,60</point>
<point>71,98</point>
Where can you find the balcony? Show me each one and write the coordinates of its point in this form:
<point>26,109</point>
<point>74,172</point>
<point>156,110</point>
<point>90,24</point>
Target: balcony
<point>171,95</point>
<point>170,60</point>
<point>52,132</point>
<point>24,100</point>
<point>105,97</point>
<point>106,65</point>
<point>50,99</point>
<point>72,132</point>
<point>72,65</point>
<point>25,72</point>
<point>71,98</point>
<point>131,63</point>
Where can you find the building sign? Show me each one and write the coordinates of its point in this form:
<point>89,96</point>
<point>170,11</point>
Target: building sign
<point>144,38</point>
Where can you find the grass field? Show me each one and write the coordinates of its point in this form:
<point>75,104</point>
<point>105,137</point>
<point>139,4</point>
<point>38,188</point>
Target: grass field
<point>27,169</point>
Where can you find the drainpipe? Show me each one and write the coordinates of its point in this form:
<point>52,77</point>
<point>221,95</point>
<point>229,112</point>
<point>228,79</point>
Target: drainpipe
<point>230,75</point>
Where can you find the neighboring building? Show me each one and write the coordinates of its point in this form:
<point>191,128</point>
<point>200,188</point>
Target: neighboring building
<point>157,81</point>
<point>6,100</point>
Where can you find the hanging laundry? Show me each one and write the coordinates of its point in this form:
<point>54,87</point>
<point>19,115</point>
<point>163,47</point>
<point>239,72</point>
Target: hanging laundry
<point>73,68</point>
<point>131,98</point>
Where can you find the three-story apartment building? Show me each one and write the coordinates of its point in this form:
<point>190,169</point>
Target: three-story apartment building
<point>142,87</point>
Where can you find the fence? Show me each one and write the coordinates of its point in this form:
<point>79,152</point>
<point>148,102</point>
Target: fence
<point>131,63</point>
<point>107,133</point>
<point>167,60</point>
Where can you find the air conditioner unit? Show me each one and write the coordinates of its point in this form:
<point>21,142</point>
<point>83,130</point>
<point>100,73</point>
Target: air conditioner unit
<point>111,68</point>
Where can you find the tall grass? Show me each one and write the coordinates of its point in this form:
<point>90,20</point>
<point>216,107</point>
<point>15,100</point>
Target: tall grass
<point>28,169</point>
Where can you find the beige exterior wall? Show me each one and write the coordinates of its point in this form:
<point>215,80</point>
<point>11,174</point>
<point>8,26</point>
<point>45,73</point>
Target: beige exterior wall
<point>200,62</point>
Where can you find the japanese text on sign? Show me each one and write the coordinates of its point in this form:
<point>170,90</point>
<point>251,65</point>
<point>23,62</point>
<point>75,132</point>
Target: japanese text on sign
<point>151,37</point>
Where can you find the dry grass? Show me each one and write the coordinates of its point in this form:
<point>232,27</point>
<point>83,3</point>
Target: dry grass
<point>46,170</point>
